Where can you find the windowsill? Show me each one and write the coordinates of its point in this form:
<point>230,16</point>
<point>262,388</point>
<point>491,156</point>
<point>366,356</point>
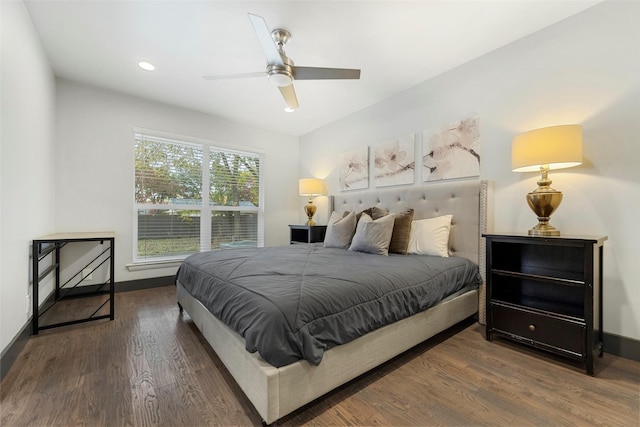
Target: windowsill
<point>151,265</point>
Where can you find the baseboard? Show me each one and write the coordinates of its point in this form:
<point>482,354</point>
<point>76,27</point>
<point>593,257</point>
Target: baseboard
<point>622,346</point>
<point>152,282</point>
<point>130,285</point>
<point>13,350</point>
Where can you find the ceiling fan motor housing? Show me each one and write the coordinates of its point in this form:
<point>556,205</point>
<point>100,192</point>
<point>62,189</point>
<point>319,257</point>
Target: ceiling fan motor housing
<point>281,75</point>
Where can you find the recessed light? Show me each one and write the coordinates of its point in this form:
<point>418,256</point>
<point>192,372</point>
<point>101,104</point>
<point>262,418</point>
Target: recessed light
<point>146,66</point>
<point>289,109</point>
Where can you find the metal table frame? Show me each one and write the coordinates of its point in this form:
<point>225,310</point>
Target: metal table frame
<point>51,244</point>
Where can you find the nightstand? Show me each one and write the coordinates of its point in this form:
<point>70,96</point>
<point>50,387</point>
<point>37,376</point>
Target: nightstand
<point>307,233</point>
<point>546,292</point>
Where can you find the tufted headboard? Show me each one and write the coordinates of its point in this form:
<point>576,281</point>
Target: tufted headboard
<point>465,200</point>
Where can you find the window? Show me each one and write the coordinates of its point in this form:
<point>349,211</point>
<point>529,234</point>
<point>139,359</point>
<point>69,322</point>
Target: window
<point>194,196</point>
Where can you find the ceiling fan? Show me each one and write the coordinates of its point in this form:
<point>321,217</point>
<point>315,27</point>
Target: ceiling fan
<point>280,69</point>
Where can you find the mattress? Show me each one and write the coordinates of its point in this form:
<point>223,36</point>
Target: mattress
<point>295,302</point>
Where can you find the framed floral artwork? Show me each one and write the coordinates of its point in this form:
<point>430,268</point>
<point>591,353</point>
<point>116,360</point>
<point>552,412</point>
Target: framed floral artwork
<point>354,169</point>
<point>452,151</point>
<point>394,162</point>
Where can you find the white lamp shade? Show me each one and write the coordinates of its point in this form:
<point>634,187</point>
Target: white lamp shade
<point>556,146</point>
<point>312,187</point>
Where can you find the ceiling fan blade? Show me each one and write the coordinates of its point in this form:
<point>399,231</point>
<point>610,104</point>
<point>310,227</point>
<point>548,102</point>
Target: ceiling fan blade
<point>289,95</point>
<point>235,76</point>
<point>264,37</point>
<point>315,73</point>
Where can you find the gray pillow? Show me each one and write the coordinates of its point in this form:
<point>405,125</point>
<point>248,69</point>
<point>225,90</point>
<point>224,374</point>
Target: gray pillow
<point>401,232</point>
<point>373,236</point>
<point>340,230</point>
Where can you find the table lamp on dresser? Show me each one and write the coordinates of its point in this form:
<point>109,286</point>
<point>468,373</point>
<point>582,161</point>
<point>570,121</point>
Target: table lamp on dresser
<point>541,150</point>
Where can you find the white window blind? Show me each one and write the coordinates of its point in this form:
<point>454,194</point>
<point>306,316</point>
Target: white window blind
<point>192,197</point>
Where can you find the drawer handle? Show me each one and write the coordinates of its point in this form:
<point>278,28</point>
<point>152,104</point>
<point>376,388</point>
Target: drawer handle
<point>532,327</point>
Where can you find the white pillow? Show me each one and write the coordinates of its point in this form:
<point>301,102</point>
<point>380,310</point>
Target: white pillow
<point>430,236</point>
<point>373,236</point>
<point>340,230</point>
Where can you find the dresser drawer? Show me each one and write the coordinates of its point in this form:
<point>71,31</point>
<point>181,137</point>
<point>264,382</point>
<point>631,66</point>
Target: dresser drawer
<point>557,333</point>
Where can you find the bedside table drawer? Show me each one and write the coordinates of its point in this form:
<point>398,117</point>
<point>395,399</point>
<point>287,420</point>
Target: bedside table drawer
<point>550,331</point>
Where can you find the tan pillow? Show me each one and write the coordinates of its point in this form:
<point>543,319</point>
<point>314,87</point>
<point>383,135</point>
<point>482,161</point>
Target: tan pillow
<point>374,213</point>
<point>401,232</point>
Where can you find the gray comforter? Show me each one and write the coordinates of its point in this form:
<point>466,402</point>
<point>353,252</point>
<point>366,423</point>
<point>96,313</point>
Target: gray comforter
<point>294,302</point>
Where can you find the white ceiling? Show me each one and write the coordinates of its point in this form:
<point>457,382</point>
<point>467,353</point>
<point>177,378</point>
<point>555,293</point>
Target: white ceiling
<point>396,44</point>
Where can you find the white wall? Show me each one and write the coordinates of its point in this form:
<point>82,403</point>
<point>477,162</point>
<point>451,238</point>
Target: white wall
<point>583,70</point>
<point>26,161</point>
<point>94,164</point>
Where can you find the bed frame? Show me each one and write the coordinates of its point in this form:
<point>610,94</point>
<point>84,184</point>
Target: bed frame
<point>276,392</point>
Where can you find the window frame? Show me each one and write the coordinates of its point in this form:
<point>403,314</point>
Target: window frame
<point>206,209</point>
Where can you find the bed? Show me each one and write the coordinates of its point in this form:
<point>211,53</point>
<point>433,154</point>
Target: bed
<point>293,380</point>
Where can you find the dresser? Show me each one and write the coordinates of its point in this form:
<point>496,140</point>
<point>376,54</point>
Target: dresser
<point>546,292</point>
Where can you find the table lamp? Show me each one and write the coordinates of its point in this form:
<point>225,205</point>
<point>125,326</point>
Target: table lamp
<point>554,147</point>
<point>311,187</point>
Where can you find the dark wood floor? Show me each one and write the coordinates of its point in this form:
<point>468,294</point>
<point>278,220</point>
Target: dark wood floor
<point>151,366</point>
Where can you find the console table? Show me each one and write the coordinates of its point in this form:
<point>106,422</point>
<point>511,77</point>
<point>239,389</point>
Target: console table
<point>51,245</point>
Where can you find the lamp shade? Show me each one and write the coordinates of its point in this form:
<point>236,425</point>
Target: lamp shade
<point>556,146</point>
<point>312,187</point>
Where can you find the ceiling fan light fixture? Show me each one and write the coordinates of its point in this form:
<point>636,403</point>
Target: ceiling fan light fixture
<point>280,78</point>
<point>289,109</point>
